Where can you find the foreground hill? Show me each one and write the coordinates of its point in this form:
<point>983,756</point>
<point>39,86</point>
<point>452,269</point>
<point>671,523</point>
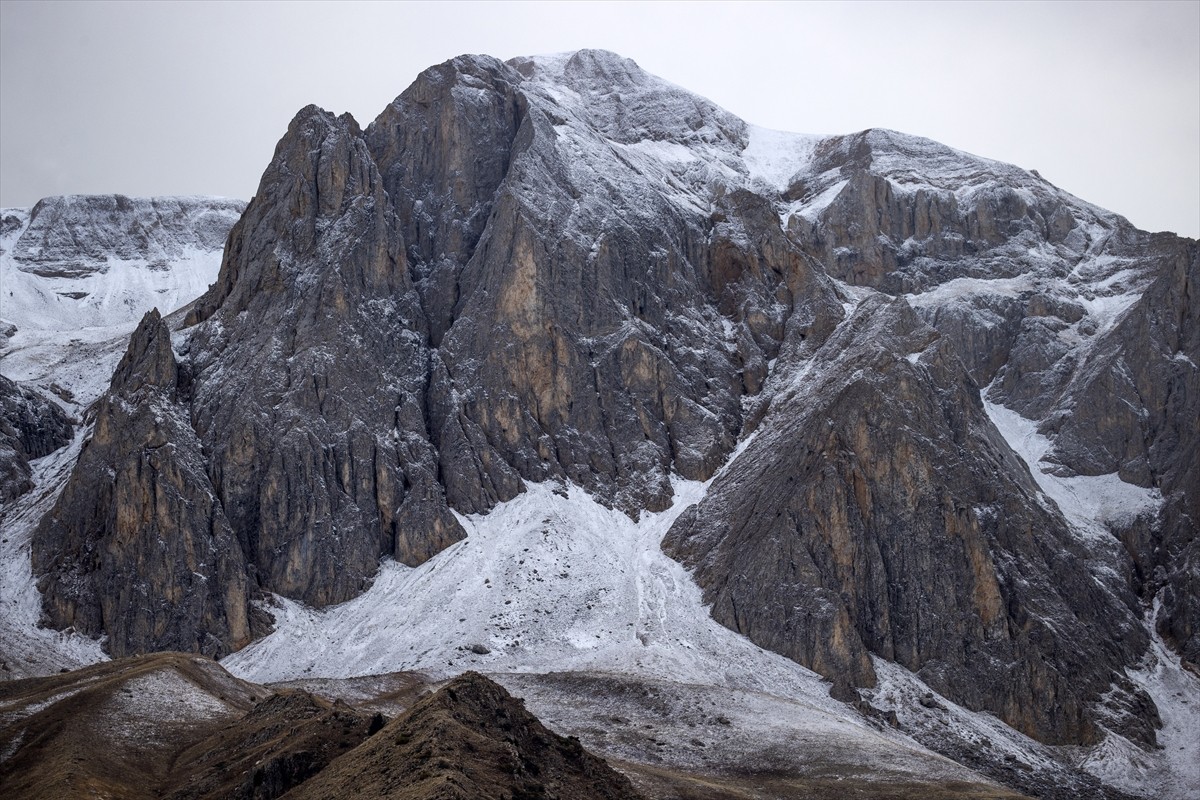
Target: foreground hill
<point>181,727</point>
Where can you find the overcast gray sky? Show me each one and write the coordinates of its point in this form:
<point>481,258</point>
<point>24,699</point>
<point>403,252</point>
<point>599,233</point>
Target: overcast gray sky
<point>189,98</point>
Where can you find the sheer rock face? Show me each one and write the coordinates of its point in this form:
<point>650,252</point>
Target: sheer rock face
<point>912,213</point>
<point>588,337</point>
<point>1133,408</point>
<point>878,511</point>
<point>443,148</point>
<point>1067,313</point>
<point>30,427</point>
<point>136,547</point>
<point>311,375</point>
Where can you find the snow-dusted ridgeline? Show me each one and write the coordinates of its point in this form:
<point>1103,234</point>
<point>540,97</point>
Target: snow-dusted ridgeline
<point>77,275</point>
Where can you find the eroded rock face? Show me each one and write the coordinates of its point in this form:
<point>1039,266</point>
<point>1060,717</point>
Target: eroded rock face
<point>30,427</point>
<point>1133,408</point>
<point>1063,312</point>
<point>566,269</point>
<point>911,213</point>
<point>312,372</point>
<point>584,343</point>
<point>878,511</point>
<point>137,547</point>
<point>1090,331</point>
<point>443,148</point>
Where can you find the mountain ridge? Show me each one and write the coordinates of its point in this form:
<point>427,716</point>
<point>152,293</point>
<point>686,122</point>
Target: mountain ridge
<point>566,271</point>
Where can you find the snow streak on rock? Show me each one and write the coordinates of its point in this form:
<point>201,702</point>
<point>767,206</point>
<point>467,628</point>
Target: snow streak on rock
<point>1089,502</point>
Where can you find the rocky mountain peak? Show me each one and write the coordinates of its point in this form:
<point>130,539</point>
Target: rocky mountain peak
<point>74,235</point>
<point>321,175</point>
<point>149,359</point>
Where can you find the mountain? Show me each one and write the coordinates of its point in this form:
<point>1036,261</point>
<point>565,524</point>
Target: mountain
<point>469,379</point>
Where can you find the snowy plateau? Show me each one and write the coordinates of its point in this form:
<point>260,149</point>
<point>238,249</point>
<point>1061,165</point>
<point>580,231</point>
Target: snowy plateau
<point>874,278</point>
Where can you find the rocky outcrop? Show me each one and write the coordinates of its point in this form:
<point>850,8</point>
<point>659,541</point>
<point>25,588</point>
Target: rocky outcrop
<point>445,361</point>
<point>565,269</point>
<point>311,375</point>
<point>877,511</point>
<point>1133,408</point>
<point>587,345</point>
<point>30,427</point>
<point>470,739</point>
<point>911,213</point>
<point>443,148</point>
<point>1067,314</point>
<point>136,546</point>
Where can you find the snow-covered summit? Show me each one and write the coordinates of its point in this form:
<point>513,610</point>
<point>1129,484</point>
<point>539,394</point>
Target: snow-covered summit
<point>77,234</point>
<point>601,281</point>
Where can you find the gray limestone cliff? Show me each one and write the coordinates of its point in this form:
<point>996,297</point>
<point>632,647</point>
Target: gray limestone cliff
<point>877,510</point>
<point>136,546</point>
<point>311,375</point>
<point>72,235</point>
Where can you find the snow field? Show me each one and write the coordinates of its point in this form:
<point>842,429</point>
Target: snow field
<point>549,581</point>
<point>603,635</point>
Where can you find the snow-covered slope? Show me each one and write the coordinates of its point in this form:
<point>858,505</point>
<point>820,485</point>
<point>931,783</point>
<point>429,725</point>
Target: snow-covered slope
<point>26,648</point>
<point>553,582</point>
<point>78,272</point>
<point>550,580</point>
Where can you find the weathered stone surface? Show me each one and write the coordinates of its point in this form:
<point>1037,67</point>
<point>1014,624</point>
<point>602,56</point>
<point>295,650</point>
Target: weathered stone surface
<point>1133,408</point>
<point>913,213</point>
<point>443,148</point>
<point>878,511</point>
<point>1068,314</point>
<point>136,547</point>
<point>588,346</point>
<point>565,269</point>
<point>311,372</point>
<point>30,427</point>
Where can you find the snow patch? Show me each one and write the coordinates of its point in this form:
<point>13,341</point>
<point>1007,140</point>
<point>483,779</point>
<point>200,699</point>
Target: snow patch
<point>1174,770</point>
<point>776,158</point>
<point>29,650</point>
<point>1088,502</point>
<point>137,711</point>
